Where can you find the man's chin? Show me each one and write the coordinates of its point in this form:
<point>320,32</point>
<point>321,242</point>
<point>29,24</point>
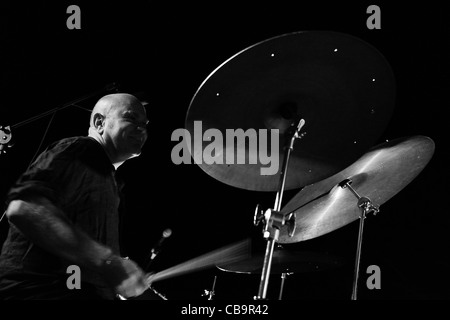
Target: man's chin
<point>135,154</point>
<point>132,154</point>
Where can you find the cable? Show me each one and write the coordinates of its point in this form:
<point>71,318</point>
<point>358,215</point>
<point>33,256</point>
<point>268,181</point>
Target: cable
<point>3,215</point>
<point>42,140</point>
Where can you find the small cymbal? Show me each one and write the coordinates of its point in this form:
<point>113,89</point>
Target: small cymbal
<point>378,175</point>
<point>340,85</point>
<point>284,261</point>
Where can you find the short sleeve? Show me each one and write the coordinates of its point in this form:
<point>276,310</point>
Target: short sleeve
<point>43,178</point>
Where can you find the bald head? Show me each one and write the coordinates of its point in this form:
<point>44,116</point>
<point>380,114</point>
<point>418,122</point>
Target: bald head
<point>112,103</point>
<point>118,122</point>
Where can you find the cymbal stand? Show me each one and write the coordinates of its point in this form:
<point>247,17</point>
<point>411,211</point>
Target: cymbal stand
<point>274,220</point>
<point>283,279</point>
<point>366,206</point>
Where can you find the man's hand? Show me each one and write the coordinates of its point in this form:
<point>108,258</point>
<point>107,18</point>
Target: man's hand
<point>124,276</point>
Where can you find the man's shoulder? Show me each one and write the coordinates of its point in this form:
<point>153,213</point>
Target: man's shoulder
<point>69,149</point>
<point>81,149</point>
<point>74,140</point>
<point>77,143</point>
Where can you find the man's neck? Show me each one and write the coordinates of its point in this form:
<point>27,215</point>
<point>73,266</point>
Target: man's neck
<point>100,140</point>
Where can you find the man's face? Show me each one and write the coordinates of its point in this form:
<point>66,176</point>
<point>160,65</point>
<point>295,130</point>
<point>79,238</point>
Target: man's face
<point>126,130</point>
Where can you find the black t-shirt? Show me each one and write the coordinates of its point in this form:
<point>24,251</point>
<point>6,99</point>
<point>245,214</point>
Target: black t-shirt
<point>77,176</point>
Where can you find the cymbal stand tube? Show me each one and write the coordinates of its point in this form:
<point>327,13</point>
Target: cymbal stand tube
<point>366,207</point>
<point>283,279</point>
<point>264,283</point>
<point>358,255</point>
<point>272,233</point>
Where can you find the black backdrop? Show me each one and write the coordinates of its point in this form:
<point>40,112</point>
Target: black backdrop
<point>166,51</point>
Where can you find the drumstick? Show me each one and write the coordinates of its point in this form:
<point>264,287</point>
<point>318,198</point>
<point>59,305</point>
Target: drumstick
<point>230,253</point>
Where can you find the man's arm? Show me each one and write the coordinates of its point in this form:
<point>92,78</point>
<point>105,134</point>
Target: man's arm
<point>46,226</point>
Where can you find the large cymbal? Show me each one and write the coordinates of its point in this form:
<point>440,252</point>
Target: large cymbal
<point>379,175</point>
<point>340,85</point>
<point>284,261</point>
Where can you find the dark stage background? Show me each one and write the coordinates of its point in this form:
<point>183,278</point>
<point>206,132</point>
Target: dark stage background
<point>166,52</point>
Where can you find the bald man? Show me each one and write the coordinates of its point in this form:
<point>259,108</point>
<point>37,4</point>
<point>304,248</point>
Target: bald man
<point>63,240</point>
<point>118,122</point>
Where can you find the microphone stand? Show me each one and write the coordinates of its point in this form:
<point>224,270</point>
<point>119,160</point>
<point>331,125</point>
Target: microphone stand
<point>109,87</point>
<point>6,131</point>
<point>274,219</point>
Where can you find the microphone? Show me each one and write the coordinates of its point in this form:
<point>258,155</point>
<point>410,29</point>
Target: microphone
<point>157,248</point>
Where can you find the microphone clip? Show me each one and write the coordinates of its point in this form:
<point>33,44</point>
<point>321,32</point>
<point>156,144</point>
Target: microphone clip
<point>157,248</point>
<point>5,138</point>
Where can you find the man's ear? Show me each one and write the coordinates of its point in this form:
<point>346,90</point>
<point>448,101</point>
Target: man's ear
<point>99,121</point>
